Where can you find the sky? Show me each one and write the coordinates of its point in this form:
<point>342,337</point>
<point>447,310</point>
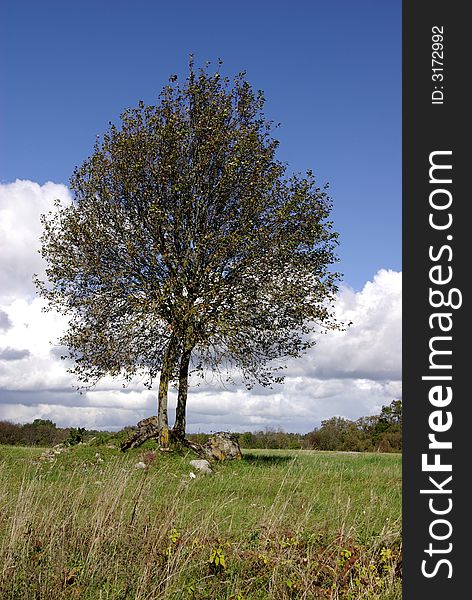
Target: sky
<point>331,74</point>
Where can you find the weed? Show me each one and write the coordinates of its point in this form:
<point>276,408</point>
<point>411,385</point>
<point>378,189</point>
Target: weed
<point>320,526</point>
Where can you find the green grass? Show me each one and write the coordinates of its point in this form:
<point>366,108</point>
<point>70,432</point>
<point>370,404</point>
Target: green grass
<point>277,524</point>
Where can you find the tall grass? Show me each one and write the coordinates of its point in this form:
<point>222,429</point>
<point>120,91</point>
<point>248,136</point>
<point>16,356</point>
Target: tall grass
<point>278,524</point>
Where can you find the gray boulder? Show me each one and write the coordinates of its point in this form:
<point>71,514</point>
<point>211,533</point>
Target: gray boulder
<point>222,446</point>
<point>201,465</point>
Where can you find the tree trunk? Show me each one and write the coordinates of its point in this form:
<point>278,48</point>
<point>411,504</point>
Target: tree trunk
<point>178,432</point>
<point>164,380</point>
<point>146,429</point>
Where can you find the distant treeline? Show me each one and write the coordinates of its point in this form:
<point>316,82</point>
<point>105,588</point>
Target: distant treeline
<point>41,432</point>
<point>375,433</point>
<point>381,433</point>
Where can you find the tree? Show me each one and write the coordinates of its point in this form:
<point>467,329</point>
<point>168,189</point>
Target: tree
<point>188,246</point>
<point>76,436</point>
<point>41,432</point>
<point>335,433</point>
<point>392,414</point>
<point>387,434</point>
<point>10,433</point>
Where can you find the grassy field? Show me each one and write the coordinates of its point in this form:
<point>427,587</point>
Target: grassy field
<point>88,524</point>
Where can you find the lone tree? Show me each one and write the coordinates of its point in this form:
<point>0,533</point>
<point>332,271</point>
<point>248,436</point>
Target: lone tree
<point>188,247</point>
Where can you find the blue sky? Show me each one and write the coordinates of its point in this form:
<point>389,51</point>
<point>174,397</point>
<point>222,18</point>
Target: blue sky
<point>331,73</point>
<point>330,70</point>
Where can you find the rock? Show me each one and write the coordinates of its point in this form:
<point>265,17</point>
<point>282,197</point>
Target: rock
<point>201,465</point>
<point>140,465</point>
<point>48,455</point>
<point>222,446</point>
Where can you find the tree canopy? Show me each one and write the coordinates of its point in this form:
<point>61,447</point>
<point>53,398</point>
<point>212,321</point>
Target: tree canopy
<point>372,433</point>
<point>187,245</point>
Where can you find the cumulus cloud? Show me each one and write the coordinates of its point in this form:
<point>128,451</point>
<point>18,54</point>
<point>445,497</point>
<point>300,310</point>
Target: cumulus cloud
<point>349,373</point>
<point>371,347</point>
<point>21,204</point>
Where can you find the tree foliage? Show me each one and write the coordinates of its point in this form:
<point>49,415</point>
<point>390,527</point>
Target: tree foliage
<point>378,432</point>
<point>41,432</point>
<point>187,245</point>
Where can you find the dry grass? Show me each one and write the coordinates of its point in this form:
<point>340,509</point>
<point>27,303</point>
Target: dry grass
<point>279,525</point>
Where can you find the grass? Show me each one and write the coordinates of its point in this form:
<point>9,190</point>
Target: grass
<point>88,524</point>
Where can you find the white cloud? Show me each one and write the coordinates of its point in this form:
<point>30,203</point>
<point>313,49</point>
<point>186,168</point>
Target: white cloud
<point>349,373</point>
<point>21,204</point>
<point>371,347</point>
